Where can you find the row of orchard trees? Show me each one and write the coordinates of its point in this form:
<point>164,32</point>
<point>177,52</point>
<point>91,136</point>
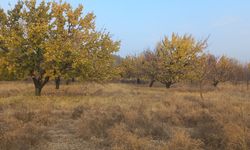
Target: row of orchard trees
<point>181,58</point>
<point>53,40</point>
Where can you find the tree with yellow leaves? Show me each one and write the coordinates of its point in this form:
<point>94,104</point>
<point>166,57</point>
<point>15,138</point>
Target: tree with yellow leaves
<point>201,70</point>
<point>49,40</point>
<point>4,73</point>
<point>176,56</point>
<point>131,68</point>
<point>220,70</point>
<point>150,66</point>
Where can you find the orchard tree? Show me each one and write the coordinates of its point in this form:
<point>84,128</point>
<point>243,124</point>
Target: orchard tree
<point>49,40</point>
<point>127,67</point>
<point>29,27</point>
<point>201,70</point>
<point>176,56</point>
<point>132,68</point>
<point>139,72</point>
<point>150,66</point>
<point>236,72</point>
<point>220,70</point>
<point>4,72</point>
<point>64,49</point>
<point>100,51</point>
<point>10,39</point>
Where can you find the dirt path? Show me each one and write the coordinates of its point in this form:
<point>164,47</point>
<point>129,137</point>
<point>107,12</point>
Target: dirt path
<point>63,136</point>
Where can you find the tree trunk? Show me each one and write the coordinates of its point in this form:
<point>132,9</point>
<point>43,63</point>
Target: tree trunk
<point>216,82</point>
<point>168,85</point>
<point>191,82</point>
<point>70,80</point>
<point>39,84</point>
<point>151,83</point>
<point>38,91</point>
<point>138,81</point>
<point>57,81</point>
<point>67,82</point>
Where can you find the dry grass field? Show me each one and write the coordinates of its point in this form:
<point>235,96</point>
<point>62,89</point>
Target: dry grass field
<point>123,117</point>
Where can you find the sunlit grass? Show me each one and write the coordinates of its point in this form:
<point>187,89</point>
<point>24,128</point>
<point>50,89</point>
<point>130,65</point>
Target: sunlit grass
<point>122,116</point>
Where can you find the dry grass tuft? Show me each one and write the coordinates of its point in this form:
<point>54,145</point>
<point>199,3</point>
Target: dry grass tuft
<point>182,141</point>
<point>20,133</point>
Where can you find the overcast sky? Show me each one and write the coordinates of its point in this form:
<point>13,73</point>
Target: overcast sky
<point>140,24</point>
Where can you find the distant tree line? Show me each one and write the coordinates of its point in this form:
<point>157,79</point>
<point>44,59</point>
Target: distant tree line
<point>182,58</point>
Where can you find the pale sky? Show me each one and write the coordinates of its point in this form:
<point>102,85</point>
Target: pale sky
<point>140,24</point>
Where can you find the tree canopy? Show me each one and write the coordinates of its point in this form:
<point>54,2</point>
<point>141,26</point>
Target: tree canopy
<point>53,39</point>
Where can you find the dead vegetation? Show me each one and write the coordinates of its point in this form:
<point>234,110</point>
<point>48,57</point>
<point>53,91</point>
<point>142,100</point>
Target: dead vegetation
<point>120,116</point>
